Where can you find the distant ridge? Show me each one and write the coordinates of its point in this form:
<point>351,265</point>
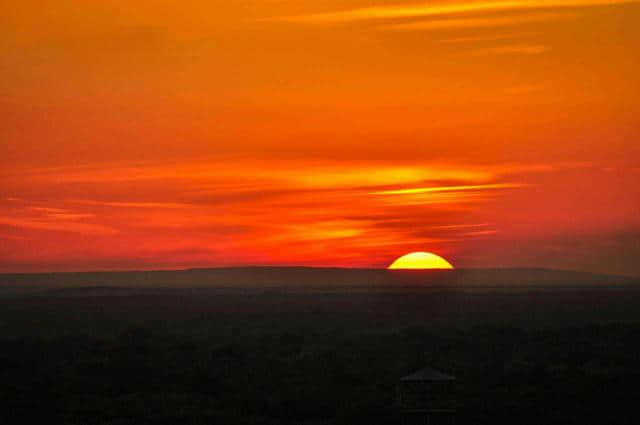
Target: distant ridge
<point>301,277</point>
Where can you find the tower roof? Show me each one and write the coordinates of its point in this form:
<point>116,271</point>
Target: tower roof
<point>427,374</point>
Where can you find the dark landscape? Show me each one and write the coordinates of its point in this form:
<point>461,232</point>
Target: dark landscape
<point>316,346</point>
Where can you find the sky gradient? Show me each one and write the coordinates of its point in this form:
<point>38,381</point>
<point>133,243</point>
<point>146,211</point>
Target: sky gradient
<point>334,133</point>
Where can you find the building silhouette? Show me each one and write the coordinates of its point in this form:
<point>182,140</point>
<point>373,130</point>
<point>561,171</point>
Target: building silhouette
<point>427,397</point>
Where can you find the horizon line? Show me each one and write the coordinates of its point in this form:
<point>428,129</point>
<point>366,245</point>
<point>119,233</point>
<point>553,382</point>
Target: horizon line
<point>344,268</point>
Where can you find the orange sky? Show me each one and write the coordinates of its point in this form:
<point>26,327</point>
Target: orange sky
<point>177,134</point>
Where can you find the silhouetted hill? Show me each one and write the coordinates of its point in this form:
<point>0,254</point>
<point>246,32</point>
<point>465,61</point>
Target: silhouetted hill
<point>305,278</point>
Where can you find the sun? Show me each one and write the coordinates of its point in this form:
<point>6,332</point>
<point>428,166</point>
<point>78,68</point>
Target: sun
<point>420,260</point>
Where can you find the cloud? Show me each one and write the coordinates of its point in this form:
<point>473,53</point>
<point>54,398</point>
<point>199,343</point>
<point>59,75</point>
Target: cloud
<point>418,190</point>
<point>460,226</point>
<point>298,211</point>
<point>515,49</point>
<point>133,204</point>
<point>486,38</point>
<point>278,212</point>
<point>487,22</point>
<point>72,227</point>
<point>440,9</point>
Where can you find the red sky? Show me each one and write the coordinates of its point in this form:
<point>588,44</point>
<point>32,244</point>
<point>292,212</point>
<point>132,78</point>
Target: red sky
<point>342,133</point>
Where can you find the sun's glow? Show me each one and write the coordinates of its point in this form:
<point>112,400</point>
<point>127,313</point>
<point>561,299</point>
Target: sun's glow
<point>333,133</point>
<point>420,260</point>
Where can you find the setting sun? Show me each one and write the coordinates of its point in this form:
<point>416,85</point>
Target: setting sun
<point>420,260</point>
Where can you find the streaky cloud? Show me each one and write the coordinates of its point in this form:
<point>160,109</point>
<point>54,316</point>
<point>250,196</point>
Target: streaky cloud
<point>417,190</point>
<point>455,23</point>
<point>515,49</point>
<point>439,9</point>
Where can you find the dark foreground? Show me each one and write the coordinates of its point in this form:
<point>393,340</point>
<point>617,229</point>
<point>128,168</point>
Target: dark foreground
<point>255,347</point>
